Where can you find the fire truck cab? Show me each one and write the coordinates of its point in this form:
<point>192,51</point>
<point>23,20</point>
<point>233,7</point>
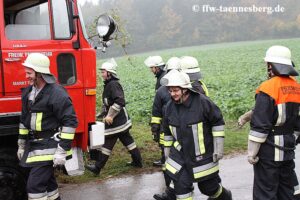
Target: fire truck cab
<point>56,29</point>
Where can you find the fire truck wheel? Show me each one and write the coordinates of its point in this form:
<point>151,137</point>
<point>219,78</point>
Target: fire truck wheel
<point>12,177</point>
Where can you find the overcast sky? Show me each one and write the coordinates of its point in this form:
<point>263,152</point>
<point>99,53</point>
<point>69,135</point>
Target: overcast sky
<point>82,2</point>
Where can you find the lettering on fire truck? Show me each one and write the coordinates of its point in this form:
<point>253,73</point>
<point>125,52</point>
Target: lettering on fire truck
<point>25,54</point>
<point>16,83</point>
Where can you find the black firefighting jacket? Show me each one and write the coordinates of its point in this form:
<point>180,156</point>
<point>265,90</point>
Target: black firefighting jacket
<point>158,76</point>
<point>200,87</point>
<point>51,112</point>
<point>189,130</point>
<point>276,118</point>
<point>161,99</point>
<point>113,94</point>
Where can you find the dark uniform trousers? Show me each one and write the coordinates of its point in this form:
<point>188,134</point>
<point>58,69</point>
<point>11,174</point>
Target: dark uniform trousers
<point>184,184</point>
<point>109,144</point>
<point>274,180</point>
<point>41,180</point>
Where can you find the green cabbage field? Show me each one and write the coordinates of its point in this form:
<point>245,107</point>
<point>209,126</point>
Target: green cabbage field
<point>232,72</point>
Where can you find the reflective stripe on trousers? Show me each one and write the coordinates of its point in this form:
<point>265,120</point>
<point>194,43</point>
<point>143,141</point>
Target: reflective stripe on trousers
<point>187,196</point>
<point>172,166</point>
<point>38,196</point>
<point>205,170</point>
<point>53,195</point>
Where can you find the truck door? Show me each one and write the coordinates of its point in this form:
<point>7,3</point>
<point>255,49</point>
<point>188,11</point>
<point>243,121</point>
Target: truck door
<point>39,26</point>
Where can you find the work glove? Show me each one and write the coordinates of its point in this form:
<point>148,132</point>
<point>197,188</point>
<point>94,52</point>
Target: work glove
<point>59,157</point>
<point>108,120</point>
<point>253,148</point>
<point>243,119</point>
<point>218,148</point>
<point>112,113</point>
<point>21,148</point>
<point>155,129</point>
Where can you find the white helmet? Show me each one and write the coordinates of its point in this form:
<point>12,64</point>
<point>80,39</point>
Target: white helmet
<point>177,79</point>
<point>154,61</point>
<point>278,54</point>
<point>38,62</point>
<point>41,64</point>
<point>173,63</point>
<point>189,64</point>
<point>110,66</point>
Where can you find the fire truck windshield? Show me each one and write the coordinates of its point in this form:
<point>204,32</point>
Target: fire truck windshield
<point>33,22</point>
<point>82,22</point>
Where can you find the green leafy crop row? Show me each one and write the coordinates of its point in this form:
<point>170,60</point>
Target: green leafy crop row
<point>232,72</point>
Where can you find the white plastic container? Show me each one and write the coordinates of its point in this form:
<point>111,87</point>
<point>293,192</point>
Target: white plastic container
<point>75,166</point>
<point>97,135</point>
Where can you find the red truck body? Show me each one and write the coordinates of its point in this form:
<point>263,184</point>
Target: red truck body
<point>56,29</point>
<point>15,50</point>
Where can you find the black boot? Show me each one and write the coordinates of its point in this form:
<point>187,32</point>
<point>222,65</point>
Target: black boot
<point>94,169</point>
<point>162,196</point>
<point>297,196</point>
<point>135,164</point>
<point>136,158</point>
<point>169,194</point>
<point>225,195</point>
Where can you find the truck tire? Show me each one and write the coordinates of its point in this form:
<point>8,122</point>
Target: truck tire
<point>12,177</point>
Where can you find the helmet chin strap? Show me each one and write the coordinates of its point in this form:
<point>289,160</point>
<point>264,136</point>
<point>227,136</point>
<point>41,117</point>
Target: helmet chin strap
<point>36,81</point>
<point>108,75</point>
<point>269,70</point>
<point>157,69</point>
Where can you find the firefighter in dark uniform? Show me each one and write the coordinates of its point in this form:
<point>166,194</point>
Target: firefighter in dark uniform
<point>156,65</point>
<point>246,117</point>
<point>47,128</point>
<point>117,121</point>
<point>190,66</point>
<point>194,140</point>
<point>274,129</point>
<point>161,99</point>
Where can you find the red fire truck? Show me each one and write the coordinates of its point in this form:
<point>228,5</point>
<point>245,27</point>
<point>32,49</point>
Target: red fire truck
<point>56,29</point>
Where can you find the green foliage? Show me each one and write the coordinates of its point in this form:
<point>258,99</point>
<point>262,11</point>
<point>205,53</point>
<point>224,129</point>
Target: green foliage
<point>232,72</point>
